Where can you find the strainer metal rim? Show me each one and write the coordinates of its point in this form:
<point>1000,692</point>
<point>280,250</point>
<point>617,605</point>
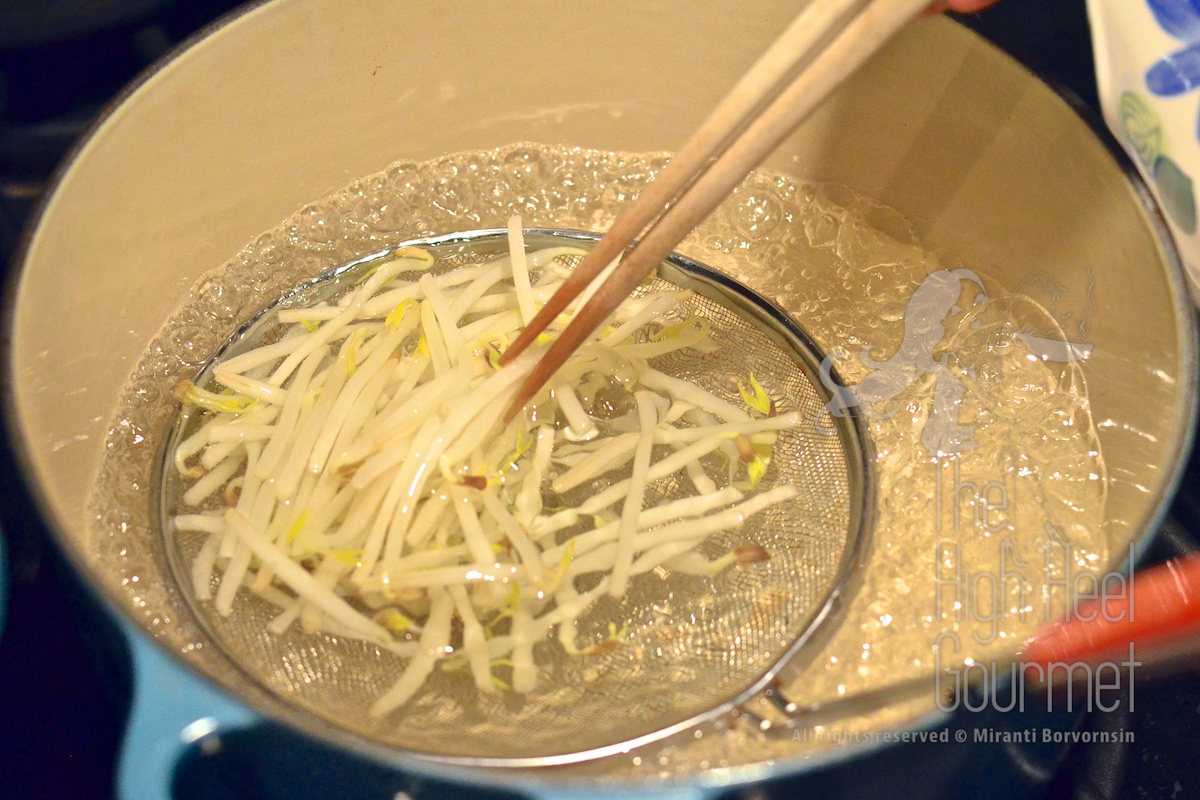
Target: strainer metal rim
<point>686,273</point>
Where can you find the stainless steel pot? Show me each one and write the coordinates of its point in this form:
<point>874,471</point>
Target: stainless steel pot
<point>289,100</point>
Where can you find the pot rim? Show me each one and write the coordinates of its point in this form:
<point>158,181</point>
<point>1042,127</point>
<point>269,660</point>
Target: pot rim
<point>517,779</point>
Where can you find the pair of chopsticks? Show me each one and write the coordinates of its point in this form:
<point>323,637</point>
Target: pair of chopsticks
<point>823,46</point>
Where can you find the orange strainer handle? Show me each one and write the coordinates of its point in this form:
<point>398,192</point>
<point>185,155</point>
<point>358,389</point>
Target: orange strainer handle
<point>1158,608</point>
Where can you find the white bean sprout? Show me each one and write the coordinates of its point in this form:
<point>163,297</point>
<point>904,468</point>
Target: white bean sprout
<point>357,473</point>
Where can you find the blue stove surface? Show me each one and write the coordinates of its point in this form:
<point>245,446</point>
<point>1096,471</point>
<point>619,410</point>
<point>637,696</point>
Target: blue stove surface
<point>65,682</point>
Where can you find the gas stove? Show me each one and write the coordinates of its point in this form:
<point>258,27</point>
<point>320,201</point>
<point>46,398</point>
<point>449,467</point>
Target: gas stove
<point>65,681</point>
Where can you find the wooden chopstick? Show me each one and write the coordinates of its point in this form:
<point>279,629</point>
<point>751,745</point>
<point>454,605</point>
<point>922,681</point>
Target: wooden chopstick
<point>824,46</point>
<point>764,80</point>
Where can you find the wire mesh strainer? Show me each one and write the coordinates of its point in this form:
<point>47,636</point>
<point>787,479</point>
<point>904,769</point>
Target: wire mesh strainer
<point>696,646</point>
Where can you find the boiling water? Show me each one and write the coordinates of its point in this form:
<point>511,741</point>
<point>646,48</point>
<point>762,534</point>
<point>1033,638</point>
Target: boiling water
<point>1018,473</point>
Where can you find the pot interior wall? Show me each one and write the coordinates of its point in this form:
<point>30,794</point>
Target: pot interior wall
<point>298,97</point>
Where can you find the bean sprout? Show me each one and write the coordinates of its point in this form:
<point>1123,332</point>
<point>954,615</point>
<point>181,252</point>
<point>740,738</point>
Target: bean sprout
<point>357,473</point>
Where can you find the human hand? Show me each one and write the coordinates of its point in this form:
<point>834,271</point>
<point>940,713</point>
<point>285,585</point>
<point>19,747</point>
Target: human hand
<point>959,6</point>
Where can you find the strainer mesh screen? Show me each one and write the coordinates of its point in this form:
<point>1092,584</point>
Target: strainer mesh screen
<point>692,643</point>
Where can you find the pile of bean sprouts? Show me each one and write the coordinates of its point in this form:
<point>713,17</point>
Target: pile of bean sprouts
<point>358,474</point>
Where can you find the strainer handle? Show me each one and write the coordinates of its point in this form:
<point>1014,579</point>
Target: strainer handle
<point>171,711</point>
